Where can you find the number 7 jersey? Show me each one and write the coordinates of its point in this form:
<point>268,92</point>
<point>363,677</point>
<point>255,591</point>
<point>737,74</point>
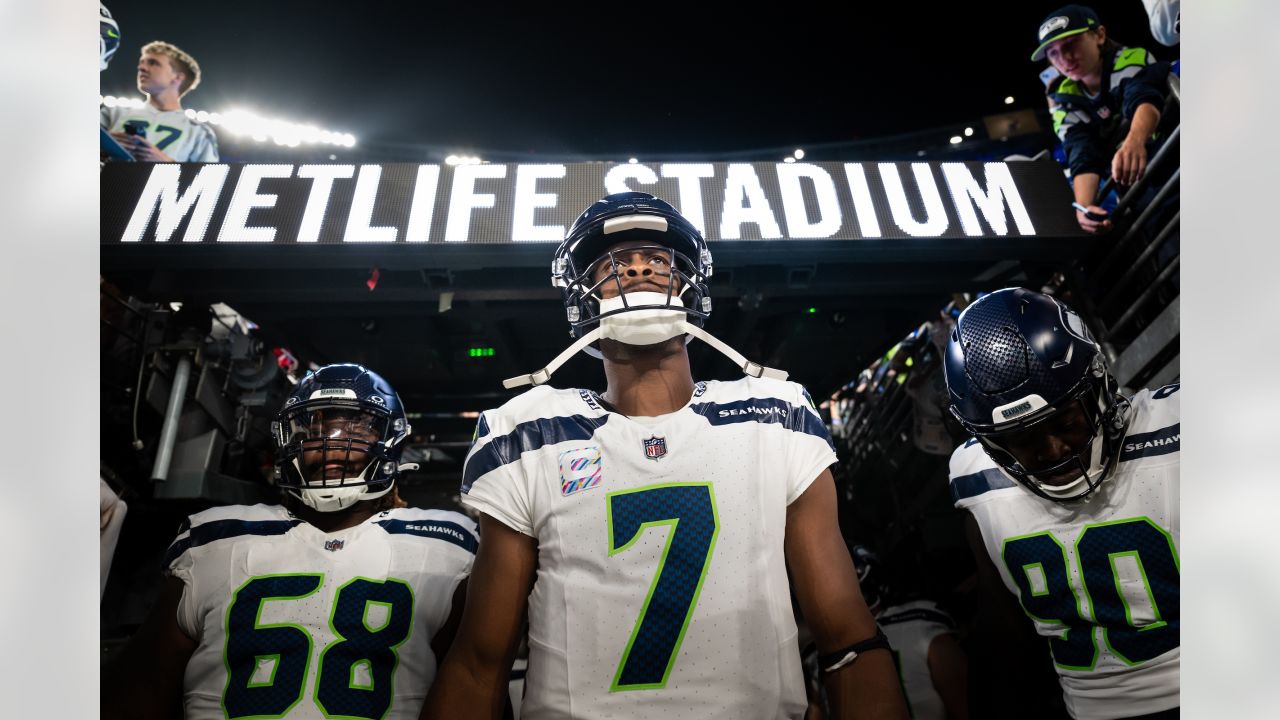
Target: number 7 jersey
<point>661,589</point>
<point>291,622</point>
<point>1098,578</point>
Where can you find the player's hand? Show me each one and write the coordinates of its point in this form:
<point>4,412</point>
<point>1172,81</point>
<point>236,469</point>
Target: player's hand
<point>1093,226</point>
<point>1130,162</point>
<point>141,149</point>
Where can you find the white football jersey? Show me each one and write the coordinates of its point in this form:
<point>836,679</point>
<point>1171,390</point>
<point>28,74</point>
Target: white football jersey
<point>911,627</point>
<point>1099,578</point>
<point>171,131</point>
<point>661,589</point>
<point>294,623</point>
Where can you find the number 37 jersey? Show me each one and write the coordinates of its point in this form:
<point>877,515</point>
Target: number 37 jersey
<point>295,623</point>
<point>661,588</point>
<point>1098,578</point>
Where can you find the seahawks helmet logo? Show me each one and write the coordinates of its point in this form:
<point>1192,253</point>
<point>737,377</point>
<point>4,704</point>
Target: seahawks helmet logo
<point>1053,23</point>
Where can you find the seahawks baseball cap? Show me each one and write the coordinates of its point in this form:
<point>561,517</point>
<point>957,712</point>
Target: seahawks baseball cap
<point>1064,22</point>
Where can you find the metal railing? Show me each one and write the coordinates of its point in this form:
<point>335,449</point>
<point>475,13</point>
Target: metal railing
<point>1130,293</point>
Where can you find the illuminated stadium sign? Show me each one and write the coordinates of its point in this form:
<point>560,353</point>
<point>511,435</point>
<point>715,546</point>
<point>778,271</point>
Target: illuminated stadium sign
<point>519,203</point>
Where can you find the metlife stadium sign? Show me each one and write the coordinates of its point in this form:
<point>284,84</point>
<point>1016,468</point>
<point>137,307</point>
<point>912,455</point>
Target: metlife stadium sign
<point>218,204</point>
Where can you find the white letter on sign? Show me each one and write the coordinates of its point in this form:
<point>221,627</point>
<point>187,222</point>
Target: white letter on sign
<point>162,190</point>
<point>463,198</point>
<point>424,203</point>
<point>935,215</point>
<point>688,176</point>
<point>742,184</point>
<point>863,207</point>
<point>829,217</point>
<point>615,181</point>
<point>245,199</point>
<point>322,177</point>
<point>358,228</point>
<point>965,193</point>
<point>529,199</point>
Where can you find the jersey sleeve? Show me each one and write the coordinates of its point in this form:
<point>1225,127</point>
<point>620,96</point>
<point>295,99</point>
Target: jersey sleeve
<point>179,563</point>
<point>1140,79</point>
<point>206,150</point>
<point>810,449</point>
<point>494,479</point>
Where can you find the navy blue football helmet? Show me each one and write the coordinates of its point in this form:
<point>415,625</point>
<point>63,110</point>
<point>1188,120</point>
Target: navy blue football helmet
<point>108,37</point>
<point>1026,378</point>
<point>339,437</point>
<point>630,216</point>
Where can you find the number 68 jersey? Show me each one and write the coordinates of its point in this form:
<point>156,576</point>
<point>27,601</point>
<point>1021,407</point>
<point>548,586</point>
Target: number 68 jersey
<point>1098,578</point>
<point>291,622</point>
<point>661,588</point>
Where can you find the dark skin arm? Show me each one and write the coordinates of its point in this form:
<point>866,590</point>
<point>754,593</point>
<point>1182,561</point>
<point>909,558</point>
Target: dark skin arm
<point>472,681</point>
<point>443,638</point>
<point>950,673</point>
<point>831,602</point>
<point>145,681</point>
<point>1012,639</point>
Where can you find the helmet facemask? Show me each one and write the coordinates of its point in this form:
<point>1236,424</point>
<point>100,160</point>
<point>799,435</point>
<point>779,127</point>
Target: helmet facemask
<point>1088,422</point>
<point>587,263</point>
<point>336,455</point>
<point>638,317</point>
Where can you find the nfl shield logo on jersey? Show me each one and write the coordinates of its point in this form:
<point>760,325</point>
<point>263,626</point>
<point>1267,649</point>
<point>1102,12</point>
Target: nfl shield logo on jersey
<point>655,447</point>
<point>334,545</point>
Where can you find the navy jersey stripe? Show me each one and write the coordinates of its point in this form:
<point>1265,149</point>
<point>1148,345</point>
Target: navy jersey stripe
<point>223,529</point>
<point>1149,444</point>
<point>527,436</point>
<point>436,529</point>
<point>482,427</point>
<point>765,410</point>
<point>967,486</point>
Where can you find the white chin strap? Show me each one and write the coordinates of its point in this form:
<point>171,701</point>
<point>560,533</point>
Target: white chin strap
<point>647,326</point>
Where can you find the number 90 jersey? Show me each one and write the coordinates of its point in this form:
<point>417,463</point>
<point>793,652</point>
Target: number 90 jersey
<point>1098,578</point>
<point>661,589</point>
<point>291,622</point>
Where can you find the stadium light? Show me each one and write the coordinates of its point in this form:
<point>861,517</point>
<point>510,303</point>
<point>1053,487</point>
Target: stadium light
<point>788,159</point>
<point>955,139</point>
<point>1008,100</point>
<point>245,123</point>
<point>633,161</point>
<point>968,132</point>
<point>799,154</point>
<point>451,160</point>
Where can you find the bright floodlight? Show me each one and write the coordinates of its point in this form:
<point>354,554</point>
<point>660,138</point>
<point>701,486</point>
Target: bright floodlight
<point>633,161</point>
<point>955,139</point>
<point>243,123</point>
<point>451,160</point>
<point>1008,100</point>
<point>968,132</point>
<point>788,159</point>
<point>799,154</point>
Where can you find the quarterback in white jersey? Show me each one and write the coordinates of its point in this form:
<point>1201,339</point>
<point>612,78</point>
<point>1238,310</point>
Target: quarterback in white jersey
<point>164,132</point>
<point>661,518</point>
<point>1094,564</point>
<point>339,605</point>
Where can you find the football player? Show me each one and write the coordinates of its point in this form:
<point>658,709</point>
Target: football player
<point>336,604</point>
<point>931,663</point>
<point>649,530</point>
<point>1071,499</point>
<point>160,130</point>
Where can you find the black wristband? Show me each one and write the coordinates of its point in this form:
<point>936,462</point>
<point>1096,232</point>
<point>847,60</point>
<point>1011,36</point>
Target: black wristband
<point>836,660</point>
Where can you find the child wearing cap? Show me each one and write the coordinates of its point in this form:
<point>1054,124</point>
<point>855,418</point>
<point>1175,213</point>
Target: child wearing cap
<point>1101,86</point>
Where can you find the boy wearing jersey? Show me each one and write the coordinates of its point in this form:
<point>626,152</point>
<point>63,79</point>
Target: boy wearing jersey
<point>1071,499</point>
<point>337,604</point>
<point>165,75</point>
<point>648,530</point>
